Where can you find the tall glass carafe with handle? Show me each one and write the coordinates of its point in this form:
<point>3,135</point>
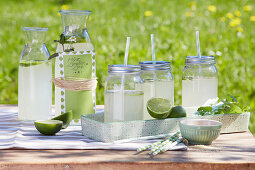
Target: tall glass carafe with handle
<point>35,73</point>
<point>76,61</point>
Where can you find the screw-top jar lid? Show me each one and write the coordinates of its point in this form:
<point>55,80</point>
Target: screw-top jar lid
<point>158,65</point>
<point>123,69</point>
<point>200,60</point>
<point>75,12</point>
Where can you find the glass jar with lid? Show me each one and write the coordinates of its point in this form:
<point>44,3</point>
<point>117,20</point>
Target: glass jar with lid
<point>123,94</point>
<point>158,82</point>
<point>199,82</point>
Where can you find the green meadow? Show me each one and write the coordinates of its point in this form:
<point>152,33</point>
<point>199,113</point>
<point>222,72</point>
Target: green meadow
<point>226,31</point>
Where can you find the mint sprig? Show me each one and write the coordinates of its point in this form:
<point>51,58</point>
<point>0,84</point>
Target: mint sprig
<point>62,42</point>
<point>227,105</point>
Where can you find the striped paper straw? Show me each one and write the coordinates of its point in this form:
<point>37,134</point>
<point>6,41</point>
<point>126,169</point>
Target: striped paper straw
<point>155,144</point>
<point>165,145</point>
<point>171,145</point>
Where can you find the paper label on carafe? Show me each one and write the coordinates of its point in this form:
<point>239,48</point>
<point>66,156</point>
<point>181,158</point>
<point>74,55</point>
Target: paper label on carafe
<point>79,64</point>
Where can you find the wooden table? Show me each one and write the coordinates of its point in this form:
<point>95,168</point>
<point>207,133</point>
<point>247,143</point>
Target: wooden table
<point>229,151</point>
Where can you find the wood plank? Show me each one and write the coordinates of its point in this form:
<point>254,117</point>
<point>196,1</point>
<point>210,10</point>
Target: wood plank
<point>229,151</point>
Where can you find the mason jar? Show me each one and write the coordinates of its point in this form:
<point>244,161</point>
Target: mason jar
<point>123,94</point>
<point>158,82</point>
<point>199,82</point>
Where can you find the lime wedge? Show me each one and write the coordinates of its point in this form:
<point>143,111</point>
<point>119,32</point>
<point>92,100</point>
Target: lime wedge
<point>66,118</point>
<point>159,108</point>
<point>176,112</point>
<point>48,127</point>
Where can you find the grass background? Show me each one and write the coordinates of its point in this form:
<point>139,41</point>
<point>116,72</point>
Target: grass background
<point>173,23</point>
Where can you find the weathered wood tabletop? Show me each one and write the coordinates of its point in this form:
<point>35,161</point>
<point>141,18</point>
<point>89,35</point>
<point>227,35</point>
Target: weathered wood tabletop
<point>229,151</point>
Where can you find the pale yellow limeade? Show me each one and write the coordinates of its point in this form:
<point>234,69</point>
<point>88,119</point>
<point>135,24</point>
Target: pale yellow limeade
<point>197,92</point>
<point>35,90</point>
<point>123,105</point>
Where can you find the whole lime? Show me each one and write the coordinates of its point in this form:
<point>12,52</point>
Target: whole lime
<point>176,112</point>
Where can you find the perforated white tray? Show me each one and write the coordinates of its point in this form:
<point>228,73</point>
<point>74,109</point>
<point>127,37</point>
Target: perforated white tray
<point>93,126</point>
<point>231,122</point>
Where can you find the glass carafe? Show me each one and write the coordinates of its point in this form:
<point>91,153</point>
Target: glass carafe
<point>35,73</point>
<point>76,60</point>
<point>123,94</point>
<point>158,82</point>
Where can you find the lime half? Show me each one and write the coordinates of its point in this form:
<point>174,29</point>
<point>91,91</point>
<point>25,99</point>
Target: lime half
<point>48,127</point>
<point>176,112</point>
<point>159,108</point>
<point>66,118</point>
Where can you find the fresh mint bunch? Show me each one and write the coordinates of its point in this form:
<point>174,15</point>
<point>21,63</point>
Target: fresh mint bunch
<point>227,105</point>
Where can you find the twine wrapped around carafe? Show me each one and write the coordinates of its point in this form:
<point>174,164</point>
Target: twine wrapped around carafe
<point>75,84</point>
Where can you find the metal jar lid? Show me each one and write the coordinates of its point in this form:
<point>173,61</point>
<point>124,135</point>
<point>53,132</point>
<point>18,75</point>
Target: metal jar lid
<point>75,12</point>
<point>158,65</point>
<point>200,60</point>
<point>123,69</point>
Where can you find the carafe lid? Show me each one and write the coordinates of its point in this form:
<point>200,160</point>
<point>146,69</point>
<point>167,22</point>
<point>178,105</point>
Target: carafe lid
<point>158,65</point>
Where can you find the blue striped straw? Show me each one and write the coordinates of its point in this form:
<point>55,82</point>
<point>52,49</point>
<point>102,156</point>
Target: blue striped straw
<point>198,44</point>
<point>153,49</point>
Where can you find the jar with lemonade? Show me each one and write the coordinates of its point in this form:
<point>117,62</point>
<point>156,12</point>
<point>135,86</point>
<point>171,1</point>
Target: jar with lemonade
<point>123,94</point>
<point>158,82</point>
<point>199,82</point>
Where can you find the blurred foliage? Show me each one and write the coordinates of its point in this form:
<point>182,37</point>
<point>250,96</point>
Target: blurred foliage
<point>225,31</point>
